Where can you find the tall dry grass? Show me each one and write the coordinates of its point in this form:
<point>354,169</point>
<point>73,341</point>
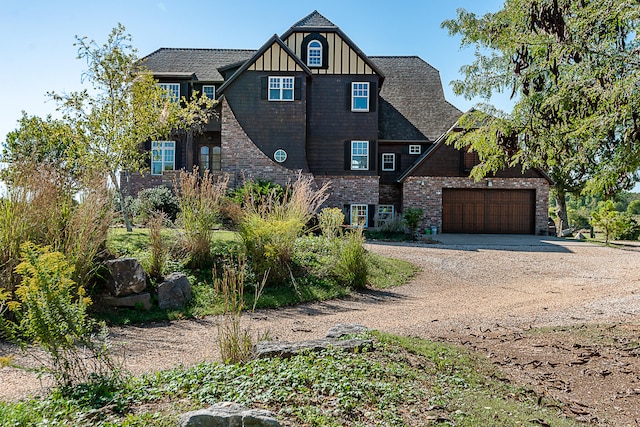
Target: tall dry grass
<point>200,199</point>
<point>272,223</point>
<point>44,207</point>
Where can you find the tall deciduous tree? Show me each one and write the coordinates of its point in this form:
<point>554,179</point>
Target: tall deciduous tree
<point>573,67</point>
<point>123,108</point>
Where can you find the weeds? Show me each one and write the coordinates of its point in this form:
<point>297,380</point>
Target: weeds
<point>235,342</point>
<point>158,250</point>
<point>51,311</point>
<point>330,221</point>
<point>351,265</point>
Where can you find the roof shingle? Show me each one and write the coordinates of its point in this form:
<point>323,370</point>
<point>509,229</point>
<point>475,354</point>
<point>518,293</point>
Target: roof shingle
<point>204,63</point>
<point>314,20</point>
<point>413,90</point>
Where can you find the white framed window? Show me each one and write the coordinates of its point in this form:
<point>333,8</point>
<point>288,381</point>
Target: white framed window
<point>385,214</point>
<point>415,149</point>
<point>281,88</point>
<point>209,91</point>
<point>163,156</point>
<point>359,215</point>
<point>360,96</point>
<point>172,91</point>
<point>359,155</point>
<point>388,161</point>
<point>314,54</point>
<point>280,155</point>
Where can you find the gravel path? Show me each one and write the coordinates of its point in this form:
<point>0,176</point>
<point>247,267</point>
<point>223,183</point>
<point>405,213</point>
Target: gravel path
<point>466,285</point>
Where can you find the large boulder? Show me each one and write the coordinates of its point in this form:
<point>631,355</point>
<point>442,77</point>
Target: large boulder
<point>125,277</point>
<point>228,414</point>
<point>174,292</point>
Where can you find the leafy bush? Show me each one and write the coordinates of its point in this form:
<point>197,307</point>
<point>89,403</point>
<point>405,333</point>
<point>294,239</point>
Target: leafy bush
<point>634,207</point>
<point>351,266</point>
<point>412,217</point>
<point>330,221</point>
<point>200,199</point>
<point>629,228</point>
<point>51,311</point>
<point>157,199</point>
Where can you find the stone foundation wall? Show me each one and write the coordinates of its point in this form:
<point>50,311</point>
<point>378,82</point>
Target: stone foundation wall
<point>426,193</point>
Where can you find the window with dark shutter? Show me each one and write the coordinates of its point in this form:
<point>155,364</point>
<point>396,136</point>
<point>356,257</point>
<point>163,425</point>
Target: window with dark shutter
<point>469,160</point>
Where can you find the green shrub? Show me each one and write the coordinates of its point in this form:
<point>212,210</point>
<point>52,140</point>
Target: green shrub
<point>157,199</point>
<point>330,221</point>
<point>351,266</point>
<point>607,219</point>
<point>51,311</point>
<point>412,217</point>
<point>629,228</point>
<point>634,207</point>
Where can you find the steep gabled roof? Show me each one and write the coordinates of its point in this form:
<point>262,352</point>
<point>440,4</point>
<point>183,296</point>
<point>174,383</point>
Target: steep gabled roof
<point>274,39</point>
<point>204,63</point>
<point>314,20</point>
<point>413,89</point>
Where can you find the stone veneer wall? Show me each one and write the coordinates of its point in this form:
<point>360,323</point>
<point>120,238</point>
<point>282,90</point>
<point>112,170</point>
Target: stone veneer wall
<point>346,190</point>
<point>429,196</point>
<point>242,159</point>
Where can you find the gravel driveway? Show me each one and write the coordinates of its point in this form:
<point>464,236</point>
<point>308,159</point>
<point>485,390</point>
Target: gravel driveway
<point>467,285</point>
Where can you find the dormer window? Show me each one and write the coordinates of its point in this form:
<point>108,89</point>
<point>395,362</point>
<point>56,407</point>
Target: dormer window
<point>314,54</point>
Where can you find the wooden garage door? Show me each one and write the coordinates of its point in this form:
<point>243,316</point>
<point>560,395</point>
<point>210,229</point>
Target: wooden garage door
<point>488,211</point>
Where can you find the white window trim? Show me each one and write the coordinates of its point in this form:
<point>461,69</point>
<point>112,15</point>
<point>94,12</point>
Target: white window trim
<point>209,86</point>
<point>366,215</point>
<point>319,49</point>
<point>163,147</point>
<point>365,154</point>
<point>280,80</point>
<point>354,97</point>
<point>277,155</point>
<point>393,162</point>
<point>384,215</point>
<point>415,149</point>
<point>174,95</point>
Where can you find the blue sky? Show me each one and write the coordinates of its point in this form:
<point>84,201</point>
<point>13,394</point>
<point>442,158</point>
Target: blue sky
<point>38,54</point>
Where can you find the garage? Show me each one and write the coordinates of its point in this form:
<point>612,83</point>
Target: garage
<point>488,211</point>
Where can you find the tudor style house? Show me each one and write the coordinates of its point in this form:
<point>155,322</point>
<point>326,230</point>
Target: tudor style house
<point>310,101</point>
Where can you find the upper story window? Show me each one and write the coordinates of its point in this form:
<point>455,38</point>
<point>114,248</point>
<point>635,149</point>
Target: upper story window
<point>359,155</point>
<point>172,90</point>
<point>163,156</point>
<point>415,149</point>
<point>209,91</point>
<point>388,162</point>
<point>280,155</point>
<point>314,54</point>
<point>281,88</point>
<point>360,96</point>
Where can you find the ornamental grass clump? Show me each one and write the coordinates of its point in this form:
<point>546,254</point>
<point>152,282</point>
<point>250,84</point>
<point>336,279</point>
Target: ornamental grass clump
<point>351,268</point>
<point>271,224</point>
<point>43,206</point>
<point>330,221</point>
<point>200,199</point>
<point>235,342</point>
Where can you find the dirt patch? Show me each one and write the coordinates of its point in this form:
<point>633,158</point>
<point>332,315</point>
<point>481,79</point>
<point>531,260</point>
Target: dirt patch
<point>535,307</point>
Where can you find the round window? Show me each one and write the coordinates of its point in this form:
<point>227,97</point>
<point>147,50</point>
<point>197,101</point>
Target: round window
<point>280,155</point>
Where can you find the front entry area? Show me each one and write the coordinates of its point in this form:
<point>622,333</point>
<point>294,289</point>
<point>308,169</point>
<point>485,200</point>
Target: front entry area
<point>488,211</point>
